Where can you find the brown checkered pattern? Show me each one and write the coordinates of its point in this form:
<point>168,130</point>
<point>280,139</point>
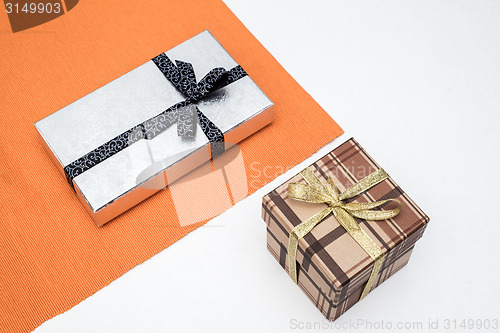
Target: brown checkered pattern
<point>332,268</point>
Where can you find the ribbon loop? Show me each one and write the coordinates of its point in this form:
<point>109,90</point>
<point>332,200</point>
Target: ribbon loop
<point>297,233</point>
<point>187,80</point>
<point>312,180</point>
<point>364,210</point>
<point>307,193</point>
<point>315,192</point>
<point>369,181</point>
<point>214,80</point>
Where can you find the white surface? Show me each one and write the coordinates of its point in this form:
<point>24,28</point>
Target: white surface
<point>417,83</point>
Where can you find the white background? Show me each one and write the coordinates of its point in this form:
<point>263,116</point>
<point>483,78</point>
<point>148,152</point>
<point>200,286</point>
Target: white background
<point>417,83</point>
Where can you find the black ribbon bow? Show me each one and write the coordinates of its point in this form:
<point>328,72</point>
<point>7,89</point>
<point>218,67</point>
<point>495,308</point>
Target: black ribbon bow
<point>184,113</point>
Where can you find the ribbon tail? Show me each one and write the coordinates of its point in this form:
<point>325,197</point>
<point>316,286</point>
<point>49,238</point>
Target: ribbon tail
<point>186,121</point>
<point>213,134</point>
<point>312,180</point>
<point>297,233</point>
<point>358,234</point>
<point>365,241</point>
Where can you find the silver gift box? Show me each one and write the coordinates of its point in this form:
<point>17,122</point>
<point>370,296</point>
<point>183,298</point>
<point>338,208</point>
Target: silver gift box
<point>121,181</point>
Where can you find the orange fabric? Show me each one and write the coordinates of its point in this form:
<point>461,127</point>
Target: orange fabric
<point>52,255</point>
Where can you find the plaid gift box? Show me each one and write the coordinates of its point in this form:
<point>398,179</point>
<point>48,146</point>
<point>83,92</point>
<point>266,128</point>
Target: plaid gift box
<point>332,269</point>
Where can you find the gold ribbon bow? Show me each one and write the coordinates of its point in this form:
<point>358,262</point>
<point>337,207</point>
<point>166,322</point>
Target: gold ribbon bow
<point>315,192</point>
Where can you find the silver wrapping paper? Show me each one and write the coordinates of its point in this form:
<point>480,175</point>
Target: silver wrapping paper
<point>135,173</point>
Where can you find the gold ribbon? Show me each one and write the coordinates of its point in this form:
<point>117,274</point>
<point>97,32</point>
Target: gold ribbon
<point>315,192</point>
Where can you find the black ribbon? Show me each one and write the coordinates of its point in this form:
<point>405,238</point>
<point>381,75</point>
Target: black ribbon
<point>185,114</point>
